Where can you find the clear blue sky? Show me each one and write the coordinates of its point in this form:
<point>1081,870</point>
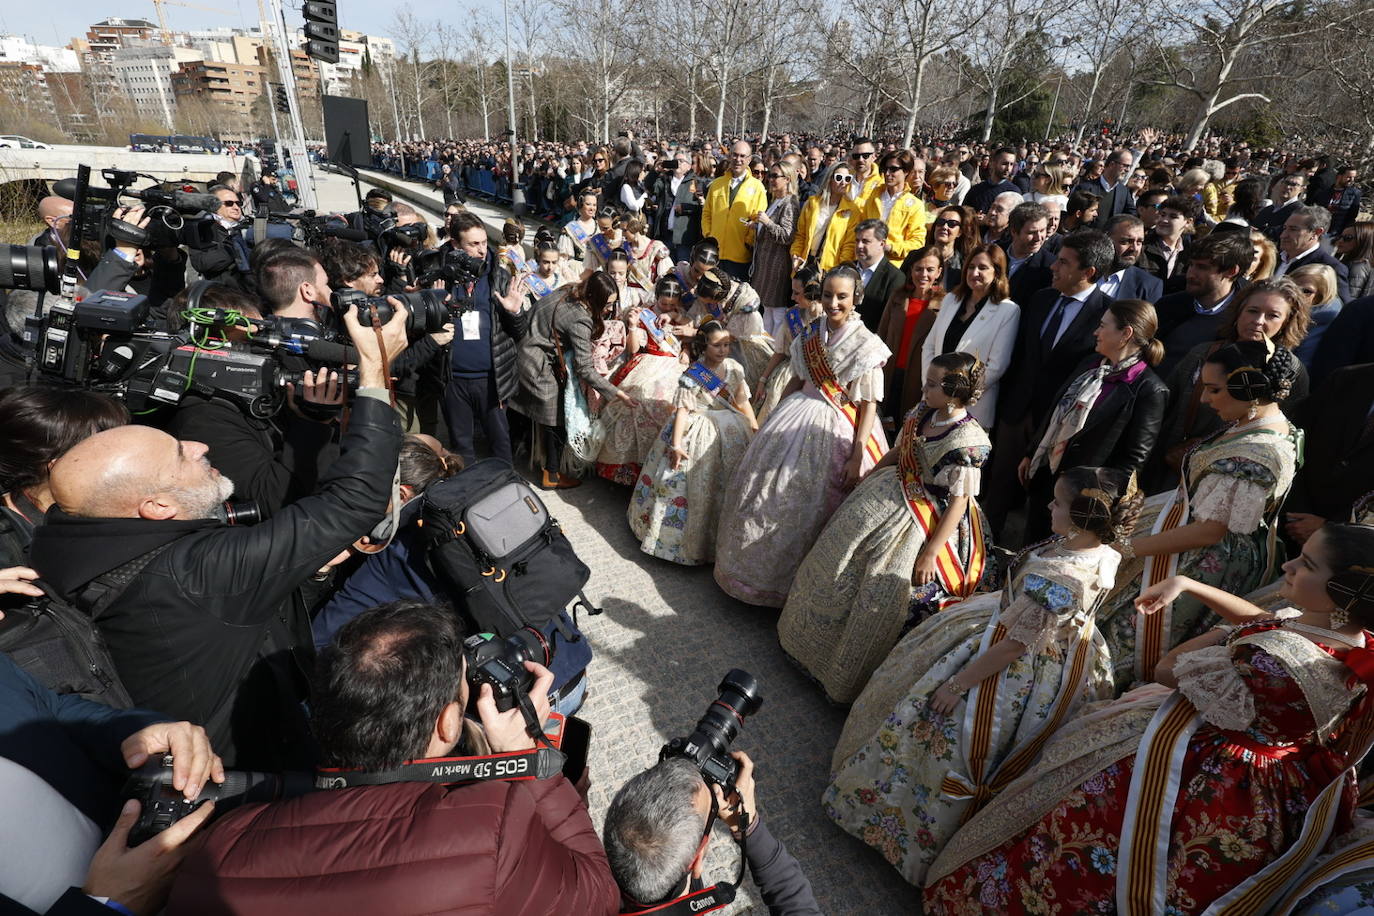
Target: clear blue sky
<point>41,23</point>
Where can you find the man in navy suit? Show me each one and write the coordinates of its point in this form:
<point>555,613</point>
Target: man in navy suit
<point>1127,281</point>
<point>1028,261</point>
<point>1300,244</point>
<point>1348,341</point>
<point>1056,334</point>
<point>1114,198</point>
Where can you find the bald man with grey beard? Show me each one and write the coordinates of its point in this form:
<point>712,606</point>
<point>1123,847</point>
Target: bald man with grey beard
<point>204,621</point>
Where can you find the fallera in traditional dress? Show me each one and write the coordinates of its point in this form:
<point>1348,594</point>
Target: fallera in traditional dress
<point>769,389</point>
<point>852,597</point>
<point>1171,801</point>
<point>650,376</point>
<point>791,480</point>
<point>750,345</point>
<point>674,513</point>
<point>906,777</point>
<point>1236,478</point>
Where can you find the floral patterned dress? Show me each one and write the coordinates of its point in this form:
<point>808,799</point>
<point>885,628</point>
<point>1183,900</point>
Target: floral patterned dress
<point>1248,774</point>
<point>897,756</point>
<point>1239,479</point>
<point>750,344</point>
<point>851,598</point>
<point>770,388</point>
<point>629,431</point>
<point>674,513</point>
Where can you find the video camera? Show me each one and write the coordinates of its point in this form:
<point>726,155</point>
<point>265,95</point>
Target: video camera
<point>180,216</point>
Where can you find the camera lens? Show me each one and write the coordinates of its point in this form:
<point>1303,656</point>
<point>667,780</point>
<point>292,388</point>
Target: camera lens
<point>428,311</point>
<point>31,267</point>
<point>739,697</point>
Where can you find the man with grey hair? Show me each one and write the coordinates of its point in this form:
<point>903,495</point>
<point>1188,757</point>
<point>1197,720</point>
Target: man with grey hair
<point>998,215</point>
<point>1300,244</point>
<point>658,830</point>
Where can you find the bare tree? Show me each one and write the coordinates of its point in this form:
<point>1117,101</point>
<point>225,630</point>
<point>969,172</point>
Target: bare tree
<point>604,36</point>
<point>1112,27</point>
<point>990,50</point>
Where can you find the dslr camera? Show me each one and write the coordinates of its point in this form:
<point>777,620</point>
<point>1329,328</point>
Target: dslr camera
<point>501,663</point>
<point>708,746</point>
<point>427,309</point>
<point>162,805</point>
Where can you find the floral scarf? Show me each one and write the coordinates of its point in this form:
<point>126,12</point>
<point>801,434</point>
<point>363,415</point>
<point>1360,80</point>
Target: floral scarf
<point>1072,412</point>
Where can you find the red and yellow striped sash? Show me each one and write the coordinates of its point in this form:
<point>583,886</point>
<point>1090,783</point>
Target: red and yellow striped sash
<point>818,365</point>
<point>958,580</point>
<point>1153,631</point>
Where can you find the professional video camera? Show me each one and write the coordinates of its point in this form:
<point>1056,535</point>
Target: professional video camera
<point>177,217</point>
<point>501,663</point>
<point>709,745</point>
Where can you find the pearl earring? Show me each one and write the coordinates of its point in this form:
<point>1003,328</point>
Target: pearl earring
<point>1340,617</point>
<point>1253,412</point>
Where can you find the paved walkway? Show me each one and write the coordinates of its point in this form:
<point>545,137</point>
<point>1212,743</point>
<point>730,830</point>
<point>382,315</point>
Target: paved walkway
<point>667,637</point>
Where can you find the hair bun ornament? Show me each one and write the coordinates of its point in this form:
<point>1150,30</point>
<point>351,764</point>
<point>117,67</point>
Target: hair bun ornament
<point>1248,383</point>
<point>1352,590</point>
<point>1281,371</point>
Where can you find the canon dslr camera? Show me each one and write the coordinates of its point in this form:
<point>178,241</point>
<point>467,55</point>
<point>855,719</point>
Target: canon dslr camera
<point>162,805</point>
<point>501,663</point>
<point>709,745</point>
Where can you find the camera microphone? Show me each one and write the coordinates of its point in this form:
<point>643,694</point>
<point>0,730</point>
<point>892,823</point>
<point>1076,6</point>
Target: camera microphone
<point>346,233</point>
<point>326,351</point>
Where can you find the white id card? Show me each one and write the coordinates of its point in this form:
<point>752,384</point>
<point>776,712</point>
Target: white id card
<point>472,325</point>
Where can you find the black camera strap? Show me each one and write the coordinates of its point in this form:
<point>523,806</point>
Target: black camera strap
<point>706,900</point>
<point>512,766</point>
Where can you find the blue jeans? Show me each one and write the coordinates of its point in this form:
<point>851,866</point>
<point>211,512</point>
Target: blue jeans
<point>571,703</point>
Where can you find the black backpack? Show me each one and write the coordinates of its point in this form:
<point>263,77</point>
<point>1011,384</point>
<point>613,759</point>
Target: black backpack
<point>58,643</point>
<point>491,538</point>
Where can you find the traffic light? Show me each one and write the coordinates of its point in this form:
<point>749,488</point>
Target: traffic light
<point>322,30</point>
<point>283,104</point>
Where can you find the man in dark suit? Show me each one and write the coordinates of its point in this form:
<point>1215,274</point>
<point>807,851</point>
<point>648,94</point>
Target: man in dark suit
<point>1344,202</point>
<point>1127,281</point>
<point>1287,193</point>
<point>1000,169</point>
<point>1028,263</point>
<point>1300,244</point>
<point>1114,198</point>
<point>1195,314</point>
<point>1338,465</point>
<point>879,277</point>
<point>1320,184</point>
<point>1055,336</point>
<point>1348,341</point>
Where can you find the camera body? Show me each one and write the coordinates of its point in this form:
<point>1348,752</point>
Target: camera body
<point>501,663</point>
<point>709,744</point>
<point>162,805</point>
<point>453,266</point>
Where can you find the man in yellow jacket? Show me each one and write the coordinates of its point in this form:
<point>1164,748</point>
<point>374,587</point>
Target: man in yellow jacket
<point>732,201</point>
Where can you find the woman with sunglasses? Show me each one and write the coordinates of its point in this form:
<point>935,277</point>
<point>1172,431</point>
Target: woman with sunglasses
<point>825,230</point>
<point>772,264</point>
<point>1047,183</point>
<point>1355,249</point>
<point>954,233</point>
<point>943,183</point>
<point>901,210</point>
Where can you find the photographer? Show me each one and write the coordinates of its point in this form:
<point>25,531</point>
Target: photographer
<point>226,260</point>
<point>275,460</point>
<point>267,196</point>
<point>391,689</point>
<point>211,626</point>
<point>376,214</point>
<point>658,830</point>
<point>351,266</point>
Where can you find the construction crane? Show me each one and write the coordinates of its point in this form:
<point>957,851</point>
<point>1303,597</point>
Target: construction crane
<point>162,16</point>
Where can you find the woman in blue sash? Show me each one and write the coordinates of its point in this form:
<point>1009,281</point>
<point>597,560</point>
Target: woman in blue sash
<point>736,306</point>
<point>677,501</point>
<point>805,308</point>
<point>819,442</point>
<point>650,376</point>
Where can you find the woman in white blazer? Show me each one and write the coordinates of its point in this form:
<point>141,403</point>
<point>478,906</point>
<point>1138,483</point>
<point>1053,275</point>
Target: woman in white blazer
<point>977,318</point>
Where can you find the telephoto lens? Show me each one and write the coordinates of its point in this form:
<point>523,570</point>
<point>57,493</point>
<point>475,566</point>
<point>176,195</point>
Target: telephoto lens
<point>427,308</point>
<point>31,267</point>
<point>709,744</point>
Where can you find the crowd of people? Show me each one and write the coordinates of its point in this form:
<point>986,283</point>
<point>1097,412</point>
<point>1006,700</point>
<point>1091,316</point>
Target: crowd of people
<point>1055,464</point>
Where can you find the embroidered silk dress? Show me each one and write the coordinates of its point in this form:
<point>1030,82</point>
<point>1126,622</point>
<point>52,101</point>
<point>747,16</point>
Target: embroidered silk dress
<point>1225,799</point>
<point>629,431</point>
<point>750,345</point>
<point>896,754</point>
<point>674,512</point>
<point>790,481</point>
<point>1236,478</point>
<point>769,389</point>
<point>852,596</point>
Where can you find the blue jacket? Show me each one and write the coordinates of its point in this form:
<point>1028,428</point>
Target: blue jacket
<point>400,571</point>
<point>70,742</point>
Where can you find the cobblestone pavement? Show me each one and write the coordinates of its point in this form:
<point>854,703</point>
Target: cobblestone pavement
<point>666,638</point>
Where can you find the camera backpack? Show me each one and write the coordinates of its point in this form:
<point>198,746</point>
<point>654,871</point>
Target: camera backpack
<point>491,538</point>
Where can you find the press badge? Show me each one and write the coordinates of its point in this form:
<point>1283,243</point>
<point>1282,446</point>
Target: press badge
<point>472,325</point>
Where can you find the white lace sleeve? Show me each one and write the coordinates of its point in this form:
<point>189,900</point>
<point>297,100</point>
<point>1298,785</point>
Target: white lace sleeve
<point>1034,616</point>
<point>960,480</point>
<point>1238,503</point>
<point>686,394</point>
<point>867,387</point>
<point>1210,681</point>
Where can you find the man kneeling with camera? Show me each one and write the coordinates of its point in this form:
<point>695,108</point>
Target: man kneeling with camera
<point>391,690</point>
<point>658,828</point>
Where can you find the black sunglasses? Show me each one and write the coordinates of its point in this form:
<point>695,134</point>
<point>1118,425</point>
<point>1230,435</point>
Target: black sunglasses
<point>868,155</point>
<point>947,223</point>
<point>893,168</point>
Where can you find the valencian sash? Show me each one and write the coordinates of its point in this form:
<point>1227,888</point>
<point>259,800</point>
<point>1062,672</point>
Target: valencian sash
<point>517,259</point>
<point>985,715</point>
<point>688,296</point>
<point>1154,631</point>
<point>659,339</point>
<point>795,324</point>
<point>818,365</point>
<point>958,581</point>
<point>538,285</point>
<point>575,230</point>
<point>602,246</point>
<point>713,383</point>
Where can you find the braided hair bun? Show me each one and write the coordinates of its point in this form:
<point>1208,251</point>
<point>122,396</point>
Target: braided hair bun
<point>1257,371</point>
<point>1350,554</point>
<point>1106,502</point>
<point>963,379</point>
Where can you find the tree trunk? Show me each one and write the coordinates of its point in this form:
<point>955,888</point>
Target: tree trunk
<point>1088,105</point>
<point>767,104</point>
<point>917,85</point>
<point>691,101</point>
<point>991,113</point>
<point>419,118</point>
<point>720,102</point>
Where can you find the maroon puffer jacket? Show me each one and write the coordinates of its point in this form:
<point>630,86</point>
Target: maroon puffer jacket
<point>511,848</point>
